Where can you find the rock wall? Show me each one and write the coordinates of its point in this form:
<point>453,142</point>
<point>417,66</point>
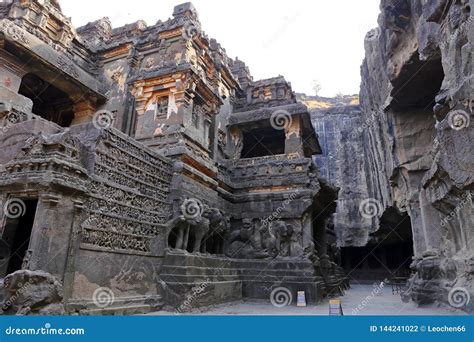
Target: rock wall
<point>417,92</point>
<point>342,162</point>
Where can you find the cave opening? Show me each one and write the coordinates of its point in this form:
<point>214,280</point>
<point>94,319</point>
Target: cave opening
<point>263,142</point>
<point>49,102</point>
<point>387,255</point>
<point>416,87</point>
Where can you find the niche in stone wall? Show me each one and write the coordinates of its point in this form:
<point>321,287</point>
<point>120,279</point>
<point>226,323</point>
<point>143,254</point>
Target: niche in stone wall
<point>49,102</point>
<point>413,122</point>
<point>417,85</point>
<point>162,104</point>
<point>261,142</point>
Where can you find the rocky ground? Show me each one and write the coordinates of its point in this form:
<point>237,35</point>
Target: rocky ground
<point>359,300</point>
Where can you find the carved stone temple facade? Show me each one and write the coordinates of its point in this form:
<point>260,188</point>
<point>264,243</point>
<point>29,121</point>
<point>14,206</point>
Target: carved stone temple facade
<point>140,162</point>
<point>142,168</point>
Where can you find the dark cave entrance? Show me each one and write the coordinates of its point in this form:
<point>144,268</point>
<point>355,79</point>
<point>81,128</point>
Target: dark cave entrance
<point>263,142</point>
<point>49,102</point>
<point>417,86</point>
<point>16,236</point>
<point>388,254</point>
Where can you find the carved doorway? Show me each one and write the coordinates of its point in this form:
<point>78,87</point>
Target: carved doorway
<point>16,235</point>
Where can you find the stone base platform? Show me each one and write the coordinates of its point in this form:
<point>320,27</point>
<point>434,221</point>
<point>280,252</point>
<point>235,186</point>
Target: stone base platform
<point>195,280</point>
<point>118,307</point>
<point>261,277</point>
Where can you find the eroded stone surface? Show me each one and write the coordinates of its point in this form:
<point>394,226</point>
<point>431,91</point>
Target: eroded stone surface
<point>32,292</point>
<point>155,166</point>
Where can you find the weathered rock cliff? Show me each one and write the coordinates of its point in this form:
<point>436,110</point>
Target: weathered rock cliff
<point>417,91</point>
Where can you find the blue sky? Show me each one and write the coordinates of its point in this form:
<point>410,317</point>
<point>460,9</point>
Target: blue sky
<point>302,40</point>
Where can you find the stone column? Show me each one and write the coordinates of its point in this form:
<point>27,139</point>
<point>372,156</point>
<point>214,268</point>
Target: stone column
<point>419,243</point>
<point>73,247</point>
<point>431,222</point>
<point>293,141</point>
<point>84,110</point>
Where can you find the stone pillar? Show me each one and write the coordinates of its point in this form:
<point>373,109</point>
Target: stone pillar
<point>43,232</point>
<point>431,221</point>
<point>10,74</point>
<point>73,247</point>
<point>235,143</point>
<point>307,229</point>
<point>84,110</point>
<point>293,141</point>
<point>419,243</point>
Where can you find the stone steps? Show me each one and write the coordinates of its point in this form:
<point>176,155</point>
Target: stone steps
<point>119,306</point>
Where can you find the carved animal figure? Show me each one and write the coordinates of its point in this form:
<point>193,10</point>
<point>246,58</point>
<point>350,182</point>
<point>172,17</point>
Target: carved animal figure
<point>218,229</point>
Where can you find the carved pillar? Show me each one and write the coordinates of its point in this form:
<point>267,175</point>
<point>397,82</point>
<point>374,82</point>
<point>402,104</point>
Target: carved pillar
<point>43,232</point>
<point>307,229</point>
<point>84,110</point>
<point>235,143</point>
<point>293,141</point>
<point>431,224</point>
<point>10,74</point>
<point>73,247</point>
<point>419,243</point>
